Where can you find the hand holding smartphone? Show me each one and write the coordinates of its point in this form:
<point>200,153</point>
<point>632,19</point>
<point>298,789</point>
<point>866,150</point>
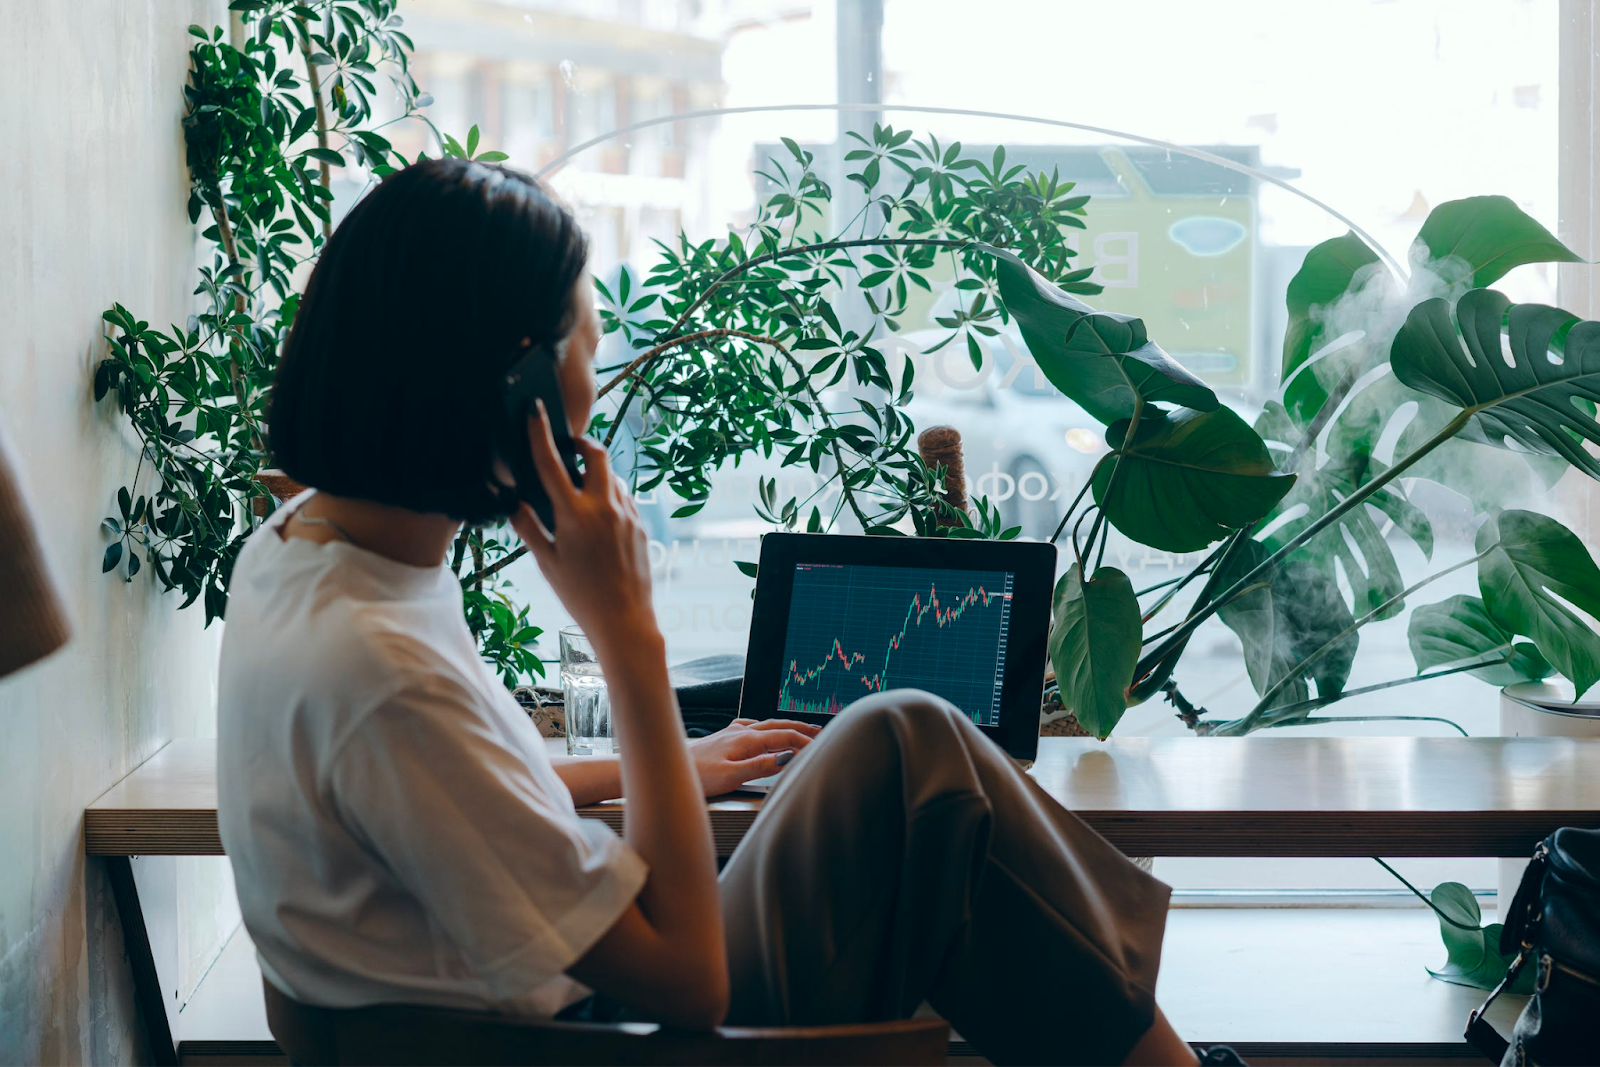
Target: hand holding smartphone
<point>533,377</point>
<point>598,565</point>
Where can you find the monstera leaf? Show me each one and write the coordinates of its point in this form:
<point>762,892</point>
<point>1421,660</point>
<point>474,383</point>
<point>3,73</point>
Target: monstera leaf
<point>1467,463</point>
<point>1188,480</point>
<point>1355,543</point>
<point>1490,234</point>
<point>1102,361</point>
<point>1459,630</point>
<point>1329,270</point>
<point>1094,645</point>
<point>1533,569</point>
<point>1295,611</point>
<point>1526,373</point>
<point>1474,241</point>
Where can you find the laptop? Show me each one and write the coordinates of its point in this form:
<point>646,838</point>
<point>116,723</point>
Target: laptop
<point>837,618</point>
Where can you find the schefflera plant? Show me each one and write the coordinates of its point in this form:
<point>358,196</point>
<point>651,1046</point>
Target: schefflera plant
<point>1434,359</point>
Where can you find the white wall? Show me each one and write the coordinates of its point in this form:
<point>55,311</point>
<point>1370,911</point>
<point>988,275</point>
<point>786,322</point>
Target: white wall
<point>92,193</point>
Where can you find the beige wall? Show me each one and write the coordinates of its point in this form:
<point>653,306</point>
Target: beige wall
<point>92,192</point>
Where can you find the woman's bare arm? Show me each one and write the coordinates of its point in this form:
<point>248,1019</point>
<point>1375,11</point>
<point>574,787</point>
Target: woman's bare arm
<point>665,956</point>
<point>590,779</point>
<point>723,761</point>
<point>669,945</point>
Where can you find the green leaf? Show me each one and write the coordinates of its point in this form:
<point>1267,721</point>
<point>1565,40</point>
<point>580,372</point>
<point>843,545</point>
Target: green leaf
<point>326,155</point>
<point>112,557</point>
<point>746,568</point>
<point>1465,464</point>
<point>1472,957</point>
<point>1102,361</point>
<point>1532,560</point>
<point>1296,611</point>
<point>688,509</point>
<point>1188,480</point>
<point>1491,234</point>
<point>1329,270</point>
<point>1355,543</point>
<point>490,157</point>
<point>1459,630</point>
<point>472,140</point>
<point>1094,645</point>
<point>1527,373</point>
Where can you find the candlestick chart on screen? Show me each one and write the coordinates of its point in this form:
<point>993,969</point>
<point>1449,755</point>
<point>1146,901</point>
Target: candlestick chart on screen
<point>855,630</point>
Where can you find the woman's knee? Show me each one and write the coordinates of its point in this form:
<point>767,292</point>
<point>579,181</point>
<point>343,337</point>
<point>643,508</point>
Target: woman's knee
<point>903,714</point>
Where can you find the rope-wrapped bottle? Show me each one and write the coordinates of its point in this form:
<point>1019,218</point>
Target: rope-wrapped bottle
<point>940,446</point>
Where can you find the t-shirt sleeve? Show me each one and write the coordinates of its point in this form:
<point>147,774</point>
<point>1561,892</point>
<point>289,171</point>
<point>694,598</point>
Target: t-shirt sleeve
<point>519,883</point>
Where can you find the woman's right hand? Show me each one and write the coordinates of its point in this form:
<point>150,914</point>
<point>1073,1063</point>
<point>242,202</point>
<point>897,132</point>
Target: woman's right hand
<point>599,562</point>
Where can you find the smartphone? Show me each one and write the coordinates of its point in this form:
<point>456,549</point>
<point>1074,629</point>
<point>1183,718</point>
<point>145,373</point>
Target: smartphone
<point>533,376</point>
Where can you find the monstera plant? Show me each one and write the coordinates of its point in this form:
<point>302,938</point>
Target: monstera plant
<point>1433,360</point>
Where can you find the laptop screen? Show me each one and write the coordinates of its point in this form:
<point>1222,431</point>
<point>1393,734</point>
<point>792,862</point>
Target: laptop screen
<point>856,629</point>
<point>839,617</point>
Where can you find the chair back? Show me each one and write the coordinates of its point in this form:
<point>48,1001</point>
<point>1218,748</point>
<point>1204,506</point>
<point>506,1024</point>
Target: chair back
<point>402,1034</point>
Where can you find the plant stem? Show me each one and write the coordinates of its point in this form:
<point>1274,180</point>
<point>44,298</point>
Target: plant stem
<point>1300,668</point>
<point>1088,483</point>
<point>1128,439</point>
<point>1148,681</point>
<point>622,409</point>
<point>1323,720</point>
<point>480,573</point>
<point>1290,712</point>
<point>1421,897</point>
<point>1328,518</point>
<point>1205,566</point>
<point>1077,552</point>
<point>314,80</point>
<point>230,248</point>
<point>1180,579</point>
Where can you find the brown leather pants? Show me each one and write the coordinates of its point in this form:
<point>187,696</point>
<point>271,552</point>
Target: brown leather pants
<point>903,858</point>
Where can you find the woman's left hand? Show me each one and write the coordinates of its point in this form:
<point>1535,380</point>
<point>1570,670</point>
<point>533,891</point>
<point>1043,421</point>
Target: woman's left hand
<point>746,749</point>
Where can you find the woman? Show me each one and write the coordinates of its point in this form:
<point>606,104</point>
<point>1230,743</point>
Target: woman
<point>399,834</point>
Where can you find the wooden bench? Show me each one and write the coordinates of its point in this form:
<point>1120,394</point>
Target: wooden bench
<point>1257,796</point>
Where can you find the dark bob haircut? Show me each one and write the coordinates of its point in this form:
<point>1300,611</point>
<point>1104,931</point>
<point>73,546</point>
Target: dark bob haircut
<point>389,385</point>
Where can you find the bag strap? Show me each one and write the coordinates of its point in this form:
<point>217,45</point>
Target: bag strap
<point>1479,1033</point>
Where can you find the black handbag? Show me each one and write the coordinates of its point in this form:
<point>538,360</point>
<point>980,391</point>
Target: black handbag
<point>1553,923</point>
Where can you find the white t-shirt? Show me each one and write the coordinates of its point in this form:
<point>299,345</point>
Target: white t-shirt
<point>396,830</point>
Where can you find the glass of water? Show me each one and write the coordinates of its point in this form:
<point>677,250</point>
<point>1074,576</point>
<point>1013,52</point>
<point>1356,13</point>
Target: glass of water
<point>588,703</point>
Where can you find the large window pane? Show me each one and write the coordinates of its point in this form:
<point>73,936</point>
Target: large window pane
<point>1184,122</point>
